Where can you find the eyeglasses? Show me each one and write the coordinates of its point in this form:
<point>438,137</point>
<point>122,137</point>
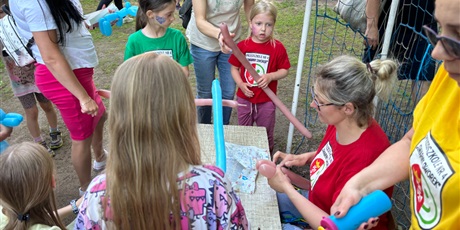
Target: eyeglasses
<point>317,103</point>
<point>451,46</point>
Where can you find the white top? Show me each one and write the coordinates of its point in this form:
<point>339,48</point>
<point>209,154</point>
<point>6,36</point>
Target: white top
<point>216,13</point>
<point>34,15</point>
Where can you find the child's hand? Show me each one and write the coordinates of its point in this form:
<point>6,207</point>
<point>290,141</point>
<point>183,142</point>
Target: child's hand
<point>79,201</point>
<point>5,132</point>
<point>264,80</point>
<point>245,88</point>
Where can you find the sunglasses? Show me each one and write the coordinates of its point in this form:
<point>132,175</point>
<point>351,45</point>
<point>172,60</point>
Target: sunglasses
<point>451,46</point>
<point>312,91</point>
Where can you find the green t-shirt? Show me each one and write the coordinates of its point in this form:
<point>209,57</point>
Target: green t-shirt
<point>173,44</point>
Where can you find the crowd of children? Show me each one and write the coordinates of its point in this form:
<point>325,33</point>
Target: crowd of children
<point>154,149</point>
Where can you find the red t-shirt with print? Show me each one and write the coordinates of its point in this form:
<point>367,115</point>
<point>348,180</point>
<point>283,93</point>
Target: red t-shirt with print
<point>334,164</point>
<point>265,58</point>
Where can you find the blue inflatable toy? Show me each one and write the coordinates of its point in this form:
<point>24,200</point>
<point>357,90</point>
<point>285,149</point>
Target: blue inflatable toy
<point>9,120</point>
<point>105,23</point>
<point>221,159</point>
<point>372,205</point>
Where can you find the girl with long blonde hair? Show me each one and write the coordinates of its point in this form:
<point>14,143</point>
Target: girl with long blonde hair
<point>27,185</point>
<point>154,179</point>
<point>270,59</point>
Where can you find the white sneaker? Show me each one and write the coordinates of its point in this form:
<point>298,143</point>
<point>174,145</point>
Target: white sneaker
<point>99,166</point>
<point>127,19</point>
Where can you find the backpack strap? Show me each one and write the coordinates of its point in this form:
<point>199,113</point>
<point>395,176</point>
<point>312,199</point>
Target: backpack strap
<point>30,43</point>
<point>6,9</point>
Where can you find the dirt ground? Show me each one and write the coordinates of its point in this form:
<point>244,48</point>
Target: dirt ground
<point>109,58</point>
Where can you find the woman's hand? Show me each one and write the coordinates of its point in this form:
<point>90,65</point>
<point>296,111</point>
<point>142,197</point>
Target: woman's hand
<point>279,155</point>
<point>224,47</point>
<point>371,223</point>
<point>372,30</point>
<point>289,160</point>
<point>89,106</point>
<point>372,35</point>
<point>349,196</point>
<point>280,182</point>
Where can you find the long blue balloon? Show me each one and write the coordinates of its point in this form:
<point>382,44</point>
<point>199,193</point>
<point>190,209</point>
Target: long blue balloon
<point>221,160</point>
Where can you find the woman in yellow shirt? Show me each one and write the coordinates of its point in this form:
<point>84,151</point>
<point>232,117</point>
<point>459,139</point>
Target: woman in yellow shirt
<point>429,154</point>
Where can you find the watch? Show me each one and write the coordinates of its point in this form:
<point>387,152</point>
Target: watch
<point>73,204</point>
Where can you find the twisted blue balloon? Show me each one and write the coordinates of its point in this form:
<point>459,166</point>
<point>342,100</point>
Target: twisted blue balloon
<point>9,120</point>
<point>221,160</point>
<point>105,24</point>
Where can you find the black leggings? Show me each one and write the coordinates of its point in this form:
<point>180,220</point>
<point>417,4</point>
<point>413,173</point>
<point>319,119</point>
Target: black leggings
<point>118,3</point>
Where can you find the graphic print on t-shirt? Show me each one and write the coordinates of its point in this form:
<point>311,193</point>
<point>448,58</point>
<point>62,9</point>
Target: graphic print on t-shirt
<point>430,171</point>
<point>168,53</point>
<point>320,163</point>
<point>259,62</point>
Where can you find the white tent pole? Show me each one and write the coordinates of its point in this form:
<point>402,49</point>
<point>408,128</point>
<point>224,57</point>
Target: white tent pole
<point>298,77</point>
<point>387,40</point>
<point>389,29</point>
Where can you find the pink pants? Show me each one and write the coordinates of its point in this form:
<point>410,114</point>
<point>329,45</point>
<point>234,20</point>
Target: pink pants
<point>81,126</point>
<point>263,114</point>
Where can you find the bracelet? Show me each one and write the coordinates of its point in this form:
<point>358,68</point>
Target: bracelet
<point>73,204</point>
<point>218,36</point>
<point>82,104</point>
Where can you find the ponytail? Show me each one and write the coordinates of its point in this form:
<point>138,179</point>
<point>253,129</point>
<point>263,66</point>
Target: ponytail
<point>347,79</point>
<point>383,73</point>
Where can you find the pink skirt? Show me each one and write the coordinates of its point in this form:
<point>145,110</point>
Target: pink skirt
<point>81,126</point>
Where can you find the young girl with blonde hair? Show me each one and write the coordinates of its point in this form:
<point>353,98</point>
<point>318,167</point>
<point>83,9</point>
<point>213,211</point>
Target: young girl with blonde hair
<point>27,182</point>
<point>269,58</point>
<point>154,177</point>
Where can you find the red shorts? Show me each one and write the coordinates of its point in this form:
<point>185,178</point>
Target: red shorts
<point>80,125</point>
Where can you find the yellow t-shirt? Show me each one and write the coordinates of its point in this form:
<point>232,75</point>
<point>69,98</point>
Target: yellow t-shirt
<point>435,157</point>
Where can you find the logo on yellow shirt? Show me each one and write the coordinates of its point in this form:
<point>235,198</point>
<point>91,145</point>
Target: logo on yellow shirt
<point>429,172</point>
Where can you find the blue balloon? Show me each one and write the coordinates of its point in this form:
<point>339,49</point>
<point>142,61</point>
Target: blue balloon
<point>219,141</point>
<point>10,119</point>
<point>105,23</point>
<point>3,146</point>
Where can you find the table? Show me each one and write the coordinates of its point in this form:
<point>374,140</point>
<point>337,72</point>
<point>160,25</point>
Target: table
<point>261,207</point>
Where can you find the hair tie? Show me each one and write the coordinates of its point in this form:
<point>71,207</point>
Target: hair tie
<point>369,68</point>
<point>23,217</point>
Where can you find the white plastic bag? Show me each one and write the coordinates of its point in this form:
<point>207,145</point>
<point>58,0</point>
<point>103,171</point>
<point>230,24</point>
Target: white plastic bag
<point>354,12</point>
